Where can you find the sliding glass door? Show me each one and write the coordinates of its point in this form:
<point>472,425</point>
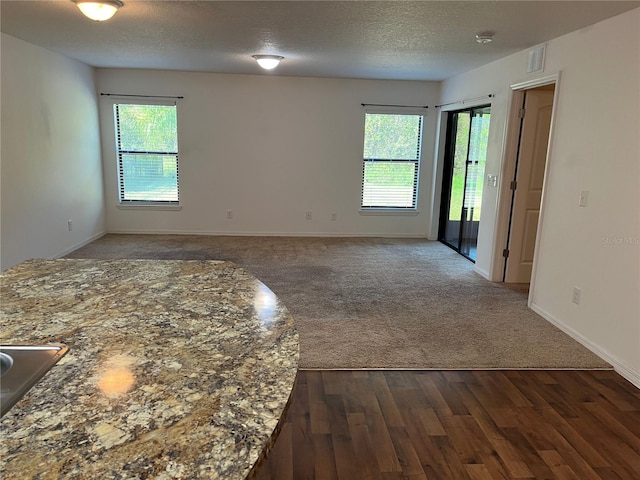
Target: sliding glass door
<point>466,150</point>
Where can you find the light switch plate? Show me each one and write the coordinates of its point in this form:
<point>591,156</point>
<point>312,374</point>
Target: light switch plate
<point>584,197</point>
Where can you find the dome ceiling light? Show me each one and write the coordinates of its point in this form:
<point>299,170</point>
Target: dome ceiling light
<point>98,10</point>
<point>268,62</point>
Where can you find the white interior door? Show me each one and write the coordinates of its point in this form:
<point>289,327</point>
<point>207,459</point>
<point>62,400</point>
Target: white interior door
<point>532,156</point>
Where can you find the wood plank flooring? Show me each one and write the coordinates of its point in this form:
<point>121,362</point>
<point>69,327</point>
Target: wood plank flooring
<point>477,425</point>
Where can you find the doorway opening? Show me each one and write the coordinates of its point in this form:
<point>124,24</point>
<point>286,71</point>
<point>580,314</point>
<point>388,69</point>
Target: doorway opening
<point>527,185</point>
<point>462,180</point>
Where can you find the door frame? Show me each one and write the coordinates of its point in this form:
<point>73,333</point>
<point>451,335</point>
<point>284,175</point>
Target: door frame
<point>512,136</point>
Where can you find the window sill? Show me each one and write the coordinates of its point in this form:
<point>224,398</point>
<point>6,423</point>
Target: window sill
<point>410,212</point>
<point>148,206</point>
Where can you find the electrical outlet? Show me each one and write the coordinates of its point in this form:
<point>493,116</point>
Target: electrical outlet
<point>69,225</point>
<point>334,216</point>
<point>229,214</point>
<point>575,298</point>
<point>307,215</point>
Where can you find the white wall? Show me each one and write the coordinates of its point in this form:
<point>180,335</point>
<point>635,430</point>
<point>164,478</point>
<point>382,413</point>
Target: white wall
<point>595,147</point>
<point>268,148</point>
<point>50,156</point>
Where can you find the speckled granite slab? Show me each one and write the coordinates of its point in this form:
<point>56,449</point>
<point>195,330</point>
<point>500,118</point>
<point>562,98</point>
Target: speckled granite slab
<point>176,369</point>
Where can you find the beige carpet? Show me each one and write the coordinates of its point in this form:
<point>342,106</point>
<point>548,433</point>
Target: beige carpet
<point>379,303</point>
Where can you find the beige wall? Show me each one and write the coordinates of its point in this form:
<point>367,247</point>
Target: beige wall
<point>270,149</point>
<point>595,147</point>
<point>50,157</point>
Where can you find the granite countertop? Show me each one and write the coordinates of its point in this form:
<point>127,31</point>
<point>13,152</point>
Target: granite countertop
<point>175,369</point>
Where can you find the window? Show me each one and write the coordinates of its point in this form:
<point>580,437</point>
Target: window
<point>392,144</point>
<point>147,151</point>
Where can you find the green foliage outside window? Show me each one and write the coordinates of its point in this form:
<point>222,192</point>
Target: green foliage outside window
<point>148,128</point>
<point>392,137</point>
<point>472,134</point>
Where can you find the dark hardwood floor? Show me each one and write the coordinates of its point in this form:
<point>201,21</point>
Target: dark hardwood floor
<point>458,425</point>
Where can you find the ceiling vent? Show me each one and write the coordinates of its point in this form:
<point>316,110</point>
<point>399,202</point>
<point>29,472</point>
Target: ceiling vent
<point>536,59</point>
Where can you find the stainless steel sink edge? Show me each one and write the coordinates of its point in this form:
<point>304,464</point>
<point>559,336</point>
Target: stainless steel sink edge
<point>29,363</point>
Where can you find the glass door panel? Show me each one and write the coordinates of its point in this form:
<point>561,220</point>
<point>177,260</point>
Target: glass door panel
<point>458,151</point>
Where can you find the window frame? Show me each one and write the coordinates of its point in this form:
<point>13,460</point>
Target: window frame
<point>394,210</point>
<point>144,204</point>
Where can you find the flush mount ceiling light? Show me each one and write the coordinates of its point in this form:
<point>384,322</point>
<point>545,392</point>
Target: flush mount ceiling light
<point>99,10</point>
<point>484,37</point>
<point>268,62</point>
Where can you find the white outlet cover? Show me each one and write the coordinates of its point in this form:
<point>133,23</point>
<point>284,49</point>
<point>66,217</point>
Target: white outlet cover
<point>584,198</point>
<point>575,298</point>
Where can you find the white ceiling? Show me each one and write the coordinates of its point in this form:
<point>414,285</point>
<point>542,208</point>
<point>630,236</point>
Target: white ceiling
<point>420,40</point>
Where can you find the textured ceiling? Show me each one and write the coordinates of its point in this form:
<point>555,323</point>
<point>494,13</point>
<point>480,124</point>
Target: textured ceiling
<point>420,40</point>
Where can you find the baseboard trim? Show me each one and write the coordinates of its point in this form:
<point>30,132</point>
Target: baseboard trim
<point>264,234</point>
<point>482,272</point>
<point>81,244</point>
<point>619,366</point>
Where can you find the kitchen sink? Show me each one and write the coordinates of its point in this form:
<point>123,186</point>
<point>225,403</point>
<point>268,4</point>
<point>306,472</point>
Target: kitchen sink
<point>21,366</point>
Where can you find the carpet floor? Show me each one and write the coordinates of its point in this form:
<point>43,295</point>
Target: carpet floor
<point>379,302</point>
